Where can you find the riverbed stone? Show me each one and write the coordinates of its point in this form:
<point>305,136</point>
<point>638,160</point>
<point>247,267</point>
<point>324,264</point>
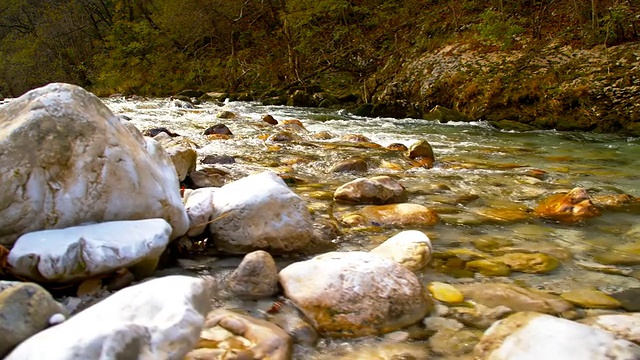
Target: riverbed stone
<point>410,248</point>
<point>231,335</point>
<point>628,299</point>
<point>571,207</point>
<point>530,335</point>
<point>351,165</point>
<point>445,292</point>
<point>269,119</point>
<point>79,252</point>
<point>514,297</point>
<point>350,294</point>
<point>452,344</point>
<point>199,206</point>
<point>488,267</point>
<point>392,215</point>
<point>259,212</point>
<point>84,166</point>
<point>624,326</point>
<point>591,298</point>
<point>182,154</point>
<point>536,263</point>
<point>25,309</point>
<point>422,151</point>
<point>377,190</point>
<point>159,319</point>
<point>255,277</point>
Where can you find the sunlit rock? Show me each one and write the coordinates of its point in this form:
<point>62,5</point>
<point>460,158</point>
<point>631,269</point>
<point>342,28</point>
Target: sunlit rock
<point>79,252</point>
<point>445,292</point>
<point>514,297</point>
<point>410,248</point>
<point>231,335</point>
<point>616,201</point>
<point>68,160</point>
<point>182,154</point>
<point>255,277</point>
<point>259,212</point>
<point>392,215</point>
<point>624,326</point>
<point>570,207</point>
<point>355,293</point>
<point>25,309</point>
<point>199,206</point>
<point>158,319</point>
<point>374,190</point>
<point>422,152</point>
<point>530,335</point>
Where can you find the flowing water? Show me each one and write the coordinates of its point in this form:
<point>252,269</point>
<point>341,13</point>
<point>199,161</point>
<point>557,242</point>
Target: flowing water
<point>481,175</point>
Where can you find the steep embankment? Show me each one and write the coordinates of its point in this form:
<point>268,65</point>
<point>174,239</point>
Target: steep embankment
<point>550,86</point>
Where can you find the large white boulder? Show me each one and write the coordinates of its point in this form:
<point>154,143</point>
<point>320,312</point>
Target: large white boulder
<point>355,293</point>
<point>530,336</point>
<point>79,252</point>
<point>158,319</point>
<point>66,159</point>
<point>259,212</point>
<point>199,206</point>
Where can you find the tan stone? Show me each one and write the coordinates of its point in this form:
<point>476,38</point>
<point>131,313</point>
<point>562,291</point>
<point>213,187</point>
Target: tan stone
<point>514,297</point>
<point>570,207</point>
<point>393,214</point>
<point>529,263</point>
<point>374,190</point>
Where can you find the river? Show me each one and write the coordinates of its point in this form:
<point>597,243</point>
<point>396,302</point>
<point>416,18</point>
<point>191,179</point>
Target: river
<point>481,177</point>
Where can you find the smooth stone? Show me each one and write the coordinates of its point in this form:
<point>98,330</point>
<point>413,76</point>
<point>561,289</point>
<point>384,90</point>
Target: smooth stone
<point>530,335</point>
<point>182,154</point>
<point>217,129</point>
<point>624,326</point>
<point>259,212</point>
<point>226,114</point>
<point>158,319</point>
<point>199,206</point>
<point>25,310</point>
<point>252,337</point>
<point>269,119</point>
<point>529,263</point>
<point>452,344</point>
<point>354,294</point>
<point>376,190</point>
<point>351,165</point>
<point>87,166</point>
<point>488,267</point>
<point>491,244</point>
<point>255,277</point>
<point>392,215</point>
<point>514,297</point>
<point>421,150</point>
<point>628,299</point>
<point>591,298</point>
<point>79,252</point>
<point>478,316</point>
<point>410,248</point>
<point>445,292</point>
<point>570,207</point>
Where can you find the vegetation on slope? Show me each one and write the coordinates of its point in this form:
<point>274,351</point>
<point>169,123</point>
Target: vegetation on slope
<point>374,49</point>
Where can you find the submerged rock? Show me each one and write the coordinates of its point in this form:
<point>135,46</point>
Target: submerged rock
<point>83,166</point>
<point>392,215</point>
<point>421,151</point>
<point>590,298</point>
<point>514,297</point>
<point>351,165</point>
<point>158,319</point>
<point>355,293</point>
<point>80,252</point>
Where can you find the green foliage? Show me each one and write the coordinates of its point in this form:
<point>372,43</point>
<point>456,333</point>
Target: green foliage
<point>497,28</point>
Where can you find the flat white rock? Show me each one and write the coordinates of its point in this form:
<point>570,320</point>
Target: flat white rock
<point>80,252</point>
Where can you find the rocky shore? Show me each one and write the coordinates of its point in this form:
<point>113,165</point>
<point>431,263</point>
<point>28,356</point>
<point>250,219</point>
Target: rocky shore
<point>93,208</point>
